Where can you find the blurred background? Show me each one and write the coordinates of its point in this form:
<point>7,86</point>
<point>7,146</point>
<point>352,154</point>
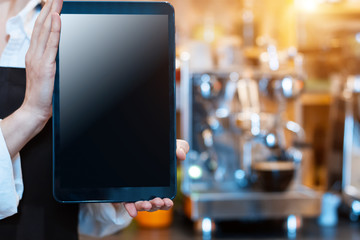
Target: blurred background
<point>268,98</point>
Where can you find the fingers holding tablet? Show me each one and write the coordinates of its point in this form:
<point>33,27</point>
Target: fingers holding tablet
<point>182,148</point>
<point>149,206</point>
<point>168,204</point>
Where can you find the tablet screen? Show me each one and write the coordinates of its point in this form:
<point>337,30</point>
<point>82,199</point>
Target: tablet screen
<point>114,101</point>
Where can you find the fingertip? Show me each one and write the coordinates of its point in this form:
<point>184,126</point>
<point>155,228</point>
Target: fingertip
<point>133,214</point>
<point>168,202</point>
<point>180,154</point>
<point>57,5</point>
<point>158,202</point>
<point>131,209</point>
<point>147,206</point>
<point>184,145</point>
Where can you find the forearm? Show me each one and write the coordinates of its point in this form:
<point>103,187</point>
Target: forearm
<point>20,127</point>
<point>11,187</point>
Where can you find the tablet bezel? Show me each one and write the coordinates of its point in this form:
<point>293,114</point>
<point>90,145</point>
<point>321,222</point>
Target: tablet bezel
<point>118,194</point>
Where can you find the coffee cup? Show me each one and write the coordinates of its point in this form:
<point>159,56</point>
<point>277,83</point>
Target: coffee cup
<point>274,176</point>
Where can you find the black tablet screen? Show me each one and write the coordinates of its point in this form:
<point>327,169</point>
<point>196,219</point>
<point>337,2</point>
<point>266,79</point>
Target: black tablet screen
<point>113,77</point>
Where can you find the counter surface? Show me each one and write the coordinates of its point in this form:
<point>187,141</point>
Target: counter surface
<point>182,229</point>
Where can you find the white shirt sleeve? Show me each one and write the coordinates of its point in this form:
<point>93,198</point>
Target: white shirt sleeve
<point>11,182</point>
<point>101,219</point>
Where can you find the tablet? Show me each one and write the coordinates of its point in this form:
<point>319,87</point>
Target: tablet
<point>114,103</point>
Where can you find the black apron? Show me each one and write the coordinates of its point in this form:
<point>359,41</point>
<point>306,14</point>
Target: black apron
<point>39,217</point>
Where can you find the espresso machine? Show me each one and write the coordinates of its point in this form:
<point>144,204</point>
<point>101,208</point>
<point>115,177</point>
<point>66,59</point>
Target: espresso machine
<point>245,159</point>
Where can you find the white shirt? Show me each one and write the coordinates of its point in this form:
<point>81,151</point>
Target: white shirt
<point>96,219</point>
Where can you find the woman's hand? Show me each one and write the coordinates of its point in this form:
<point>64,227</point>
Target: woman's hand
<point>31,117</point>
<point>182,148</point>
<point>40,61</point>
<point>149,206</point>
